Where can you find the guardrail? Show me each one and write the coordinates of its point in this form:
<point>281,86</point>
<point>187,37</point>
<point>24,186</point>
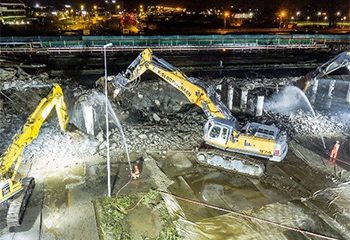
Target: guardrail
<point>99,49</point>
<point>93,44</point>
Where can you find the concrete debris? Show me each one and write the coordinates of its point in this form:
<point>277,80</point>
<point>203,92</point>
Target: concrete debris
<point>304,124</point>
<point>156,117</point>
<point>147,97</point>
<point>16,78</point>
<point>265,83</point>
<point>168,135</point>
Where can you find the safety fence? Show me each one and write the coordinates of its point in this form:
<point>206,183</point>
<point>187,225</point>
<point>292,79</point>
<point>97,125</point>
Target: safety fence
<point>193,42</point>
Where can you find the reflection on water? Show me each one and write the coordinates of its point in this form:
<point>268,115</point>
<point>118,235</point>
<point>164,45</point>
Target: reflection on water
<point>233,192</point>
<point>228,226</point>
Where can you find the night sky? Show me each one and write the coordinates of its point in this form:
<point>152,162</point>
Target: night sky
<point>273,4</point>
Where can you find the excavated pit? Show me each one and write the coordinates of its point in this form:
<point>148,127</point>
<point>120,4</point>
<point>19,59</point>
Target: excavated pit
<point>162,129</point>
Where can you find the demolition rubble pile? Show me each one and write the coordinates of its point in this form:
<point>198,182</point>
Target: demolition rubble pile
<point>6,133</point>
<point>259,83</point>
<point>304,124</point>
<point>59,150</point>
<point>16,78</point>
<point>153,97</point>
<point>182,133</point>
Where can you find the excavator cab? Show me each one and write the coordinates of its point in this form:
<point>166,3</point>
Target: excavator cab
<point>255,139</point>
<point>217,132</point>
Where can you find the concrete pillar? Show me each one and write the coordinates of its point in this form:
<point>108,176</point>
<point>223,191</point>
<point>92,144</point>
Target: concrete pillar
<point>88,114</point>
<point>244,99</point>
<point>259,106</point>
<point>331,88</point>
<point>230,97</point>
<point>219,87</point>
<point>314,92</point>
<point>68,197</point>
<point>348,95</point>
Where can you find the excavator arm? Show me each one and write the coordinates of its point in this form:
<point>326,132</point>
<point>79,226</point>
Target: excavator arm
<point>31,129</point>
<point>196,92</point>
<point>226,147</point>
<point>339,61</point>
<point>11,186</point>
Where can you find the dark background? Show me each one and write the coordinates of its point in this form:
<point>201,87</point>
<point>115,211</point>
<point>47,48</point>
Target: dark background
<point>199,4</point>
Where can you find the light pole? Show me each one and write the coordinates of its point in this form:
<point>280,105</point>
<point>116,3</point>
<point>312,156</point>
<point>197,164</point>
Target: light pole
<point>282,15</point>
<point>107,124</point>
<point>226,14</point>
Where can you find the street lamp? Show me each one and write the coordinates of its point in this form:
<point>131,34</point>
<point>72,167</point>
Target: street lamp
<point>107,124</point>
<point>282,15</point>
<point>226,14</point>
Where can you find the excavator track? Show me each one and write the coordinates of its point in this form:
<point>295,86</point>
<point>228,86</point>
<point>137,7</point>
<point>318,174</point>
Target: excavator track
<point>18,206</point>
<point>230,162</point>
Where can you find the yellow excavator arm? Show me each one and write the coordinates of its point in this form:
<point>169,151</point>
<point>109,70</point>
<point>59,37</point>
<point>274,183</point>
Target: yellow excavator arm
<point>221,130</point>
<point>196,92</point>
<point>9,161</point>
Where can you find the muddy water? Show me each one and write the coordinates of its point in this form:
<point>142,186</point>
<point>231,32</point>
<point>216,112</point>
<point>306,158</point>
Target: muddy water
<point>238,193</point>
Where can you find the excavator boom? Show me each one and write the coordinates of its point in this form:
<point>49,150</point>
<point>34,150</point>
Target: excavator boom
<point>221,130</point>
<point>31,128</point>
<point>10,184</point>
<point>339,61</point>
<point>196,92</point>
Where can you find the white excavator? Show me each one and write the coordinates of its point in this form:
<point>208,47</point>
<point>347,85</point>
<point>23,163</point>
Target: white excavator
<point>227,146</point>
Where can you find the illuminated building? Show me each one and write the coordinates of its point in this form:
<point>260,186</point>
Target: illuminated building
<point>13,12</point>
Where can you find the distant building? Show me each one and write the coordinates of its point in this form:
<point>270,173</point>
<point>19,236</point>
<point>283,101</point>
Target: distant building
<point>13,12</point>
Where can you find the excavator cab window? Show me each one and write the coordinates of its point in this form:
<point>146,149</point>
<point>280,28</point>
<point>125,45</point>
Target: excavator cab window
<point>224,133</point>
<point>5,189</point>
<point>215,132</point>
<point>219,134</point>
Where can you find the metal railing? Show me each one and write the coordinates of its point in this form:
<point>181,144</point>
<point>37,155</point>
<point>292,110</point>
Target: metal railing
<point>176,42</point>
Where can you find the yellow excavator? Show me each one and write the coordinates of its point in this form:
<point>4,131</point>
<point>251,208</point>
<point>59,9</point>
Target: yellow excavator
<point>15,190</point>
<point>227,146</point>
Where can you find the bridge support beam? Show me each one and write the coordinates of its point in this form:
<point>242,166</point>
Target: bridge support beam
<point>348,95</point>
<point>230,97</point>
<point>244,99</point>
<point>88,114</point>
<point>259,106</point>
<point>314,92</point>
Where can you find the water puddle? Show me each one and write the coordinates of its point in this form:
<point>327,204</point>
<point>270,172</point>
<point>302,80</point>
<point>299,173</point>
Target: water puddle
<point>232,192</point>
